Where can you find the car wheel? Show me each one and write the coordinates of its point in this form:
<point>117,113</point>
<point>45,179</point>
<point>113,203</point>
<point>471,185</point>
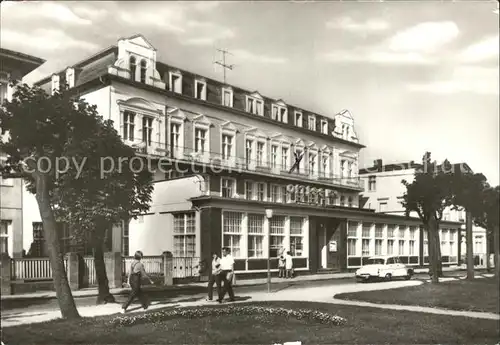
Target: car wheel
<point>388,277</point>
<point>408,276</point>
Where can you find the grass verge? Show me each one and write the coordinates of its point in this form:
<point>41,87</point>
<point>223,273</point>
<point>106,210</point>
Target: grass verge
<point>362,326</point>
<point>475,295</point>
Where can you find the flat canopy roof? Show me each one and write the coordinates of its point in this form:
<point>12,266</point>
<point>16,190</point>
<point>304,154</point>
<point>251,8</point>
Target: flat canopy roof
<point>16,61</point>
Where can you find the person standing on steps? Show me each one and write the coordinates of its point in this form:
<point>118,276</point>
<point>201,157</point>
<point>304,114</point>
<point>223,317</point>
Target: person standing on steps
<point>136,273</point>
<point>289,265</point>
<point>215,277</point>
<point>227,268</point>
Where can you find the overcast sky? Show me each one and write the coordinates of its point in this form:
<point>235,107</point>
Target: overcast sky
<point>416,76</point>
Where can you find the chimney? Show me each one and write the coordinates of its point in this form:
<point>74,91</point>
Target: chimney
<point>378,164</point>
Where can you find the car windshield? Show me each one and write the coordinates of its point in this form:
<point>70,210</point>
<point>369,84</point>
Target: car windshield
<point>375,262</point>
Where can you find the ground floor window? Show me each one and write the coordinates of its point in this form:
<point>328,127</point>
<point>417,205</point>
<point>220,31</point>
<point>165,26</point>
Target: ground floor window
<point>401,246</point>
<point>296,236</point>
<point>412,247</point>
<point>390,247</point>
<point>232,232</point>
<point>184,235</point>
<point>4,236</point>
<point>365,247</point>
<point>255,236</point>
<point>277,235</point>
<point>38,246</point>
<point>351,246</point>
<point>125,240</point>
<point>378,247</point>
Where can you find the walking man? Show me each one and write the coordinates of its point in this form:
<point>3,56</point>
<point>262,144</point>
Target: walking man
<point>227,268</point>
<point>135,275</point>
<point>215,277</point>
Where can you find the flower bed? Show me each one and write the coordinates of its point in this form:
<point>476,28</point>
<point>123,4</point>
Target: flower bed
<point>260,312</point>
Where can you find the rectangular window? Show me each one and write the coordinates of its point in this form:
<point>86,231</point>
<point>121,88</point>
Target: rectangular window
<point>277,235</point>
<point>175,83</point>
<point>298,119</point>
<point>352,230</point>
<point>255,106</point>
<point>366,230</point>
<point>184,235</point>
<point>390,247</point>
<point>401,246</point>
<point>379,231</point>
<point>312,123</point>
<point>365,247</point>
<point>125,241</point>
<point>284,158</point>
<point>4,237</point>
<point>279,113</point>
<point>227,186</point>
<point>255,236</point>
<point>324,166</point>
<point>227,146</point>
<point>390,230</point>
<point>275,193</point>
<point>413,231</point>
<point>227,97</point>
<point>261,191</point>
<point>3,92</point>
<point>260,153</point>
<point>232,232</point>
<point>383,206</point>
<point>351,246</point>
<point>274,156</point>
<point>296,236</point>
<point>324,126</point>
<point>38,246</point>
<point>412,247</point>
<point>312,163</point>
<point>147,130</point>
<point>372,183</point>
<point>175,131</point>
<point>200,90</point>
<point>401,232</point>
<point>249,185</point>
<point>128,125</point>
<point>248,151</point>
<point>378,247</point>
<point>200,140</point>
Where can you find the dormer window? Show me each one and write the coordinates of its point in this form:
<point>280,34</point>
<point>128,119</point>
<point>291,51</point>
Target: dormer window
<point>132,67</point>
<point>143,71</point>
<point>200,90</point>
<point>227,97</point>
<point>55,83</point>
<point>175,82</point>
<point>280,113</point>
<point>312,122</point>
<point>255,106</point>
<point>298,119</point>
<point>70,77</point>
<point>324,126</point>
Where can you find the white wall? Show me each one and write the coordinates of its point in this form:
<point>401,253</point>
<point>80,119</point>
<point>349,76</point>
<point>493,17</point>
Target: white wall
<point>153,233</point>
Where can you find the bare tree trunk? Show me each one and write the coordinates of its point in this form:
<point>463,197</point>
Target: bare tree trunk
<point>433,258</point>
<point>470,245</point>
<point>496,245</point>
<point>104,296</point>
<point>63,291</point>
<point>488,244</point>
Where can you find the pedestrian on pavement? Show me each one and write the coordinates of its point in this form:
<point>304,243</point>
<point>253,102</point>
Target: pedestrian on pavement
<point>215,277</point>
<point>136,274</point>
<point>289,264</point>
<point>281,267</point>
<point>227,274</point>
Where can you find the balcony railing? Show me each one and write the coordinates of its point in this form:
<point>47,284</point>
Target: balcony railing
<point>241,164</point>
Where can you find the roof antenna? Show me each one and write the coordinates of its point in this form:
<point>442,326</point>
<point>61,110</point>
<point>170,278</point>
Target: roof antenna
<point>223,62</point>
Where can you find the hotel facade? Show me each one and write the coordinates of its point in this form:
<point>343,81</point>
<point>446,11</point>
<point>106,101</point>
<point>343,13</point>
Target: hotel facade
<point>222,158</point>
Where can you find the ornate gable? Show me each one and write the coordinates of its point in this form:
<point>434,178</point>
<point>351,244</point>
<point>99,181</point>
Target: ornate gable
<point>140,40</point>
<point>202,120</point>
<point>279,137</point>
<point>139,104</point>
<point>254,131</point>
<point>229,126</point>
<point>177,114</point>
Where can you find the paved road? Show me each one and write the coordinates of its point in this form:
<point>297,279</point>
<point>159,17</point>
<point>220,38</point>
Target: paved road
<point>191,293</point>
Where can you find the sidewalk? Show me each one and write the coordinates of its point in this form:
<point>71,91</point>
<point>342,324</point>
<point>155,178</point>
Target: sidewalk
<point>92,292</point>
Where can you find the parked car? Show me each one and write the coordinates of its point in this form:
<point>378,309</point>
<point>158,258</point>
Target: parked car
<point>384,267</point>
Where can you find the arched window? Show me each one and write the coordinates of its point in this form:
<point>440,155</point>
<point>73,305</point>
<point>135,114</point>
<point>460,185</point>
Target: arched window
<point>143,71</point>
<point>132,67</point>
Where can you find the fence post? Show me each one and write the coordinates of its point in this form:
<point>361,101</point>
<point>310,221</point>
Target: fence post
<point>113,262</point>
<point>73,271</point>
<point>168,268</point>
<point>6,275</point>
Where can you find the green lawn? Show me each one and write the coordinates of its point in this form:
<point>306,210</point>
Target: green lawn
<point>363,326</point>
<point>476,295</point>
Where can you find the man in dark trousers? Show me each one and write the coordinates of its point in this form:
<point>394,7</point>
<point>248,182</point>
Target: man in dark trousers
<point>135,275</point>
<point>215,277</point>
<point>227,273</point>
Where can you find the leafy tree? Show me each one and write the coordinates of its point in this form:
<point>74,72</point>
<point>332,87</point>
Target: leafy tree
<point>40,129</point>
<point>488,218</point>
<point>80,147</point>
<point>468,193</point>
<point>428,195</point>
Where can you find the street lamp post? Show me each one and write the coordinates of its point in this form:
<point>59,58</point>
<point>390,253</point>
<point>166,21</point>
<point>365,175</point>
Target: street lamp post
<point>269,215</point>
